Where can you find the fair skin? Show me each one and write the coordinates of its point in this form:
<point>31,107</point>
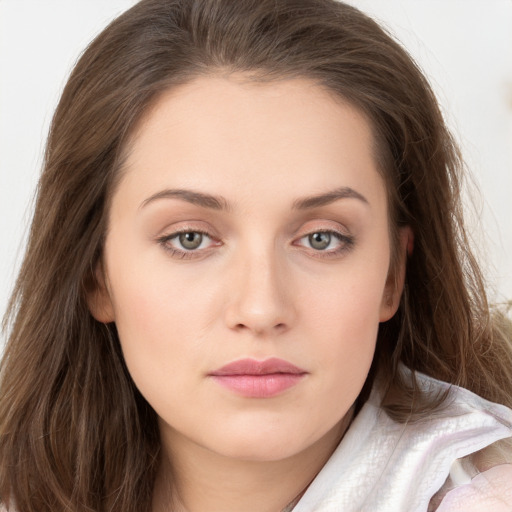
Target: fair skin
<point>284,253</point>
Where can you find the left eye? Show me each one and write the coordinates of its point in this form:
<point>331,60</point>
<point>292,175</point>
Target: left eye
<point>323,241</point>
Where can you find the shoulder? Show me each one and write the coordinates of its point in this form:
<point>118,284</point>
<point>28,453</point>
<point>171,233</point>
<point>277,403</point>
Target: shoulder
<point>479,481</point>
<point>381,464</point>
<point>490,490</point>
<point>480,478</point>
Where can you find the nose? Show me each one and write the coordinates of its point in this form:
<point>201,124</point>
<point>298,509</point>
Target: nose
<point>260,295</point>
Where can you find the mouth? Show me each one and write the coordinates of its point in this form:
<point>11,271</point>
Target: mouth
<point>258,379</point>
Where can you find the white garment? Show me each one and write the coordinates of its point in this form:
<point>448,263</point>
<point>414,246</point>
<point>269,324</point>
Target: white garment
<point>385,466</point>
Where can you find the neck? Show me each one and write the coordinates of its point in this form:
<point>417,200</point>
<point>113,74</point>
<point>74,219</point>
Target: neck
<point>195,479</point>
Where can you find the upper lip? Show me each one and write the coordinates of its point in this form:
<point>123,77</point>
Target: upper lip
<point>253,367</point>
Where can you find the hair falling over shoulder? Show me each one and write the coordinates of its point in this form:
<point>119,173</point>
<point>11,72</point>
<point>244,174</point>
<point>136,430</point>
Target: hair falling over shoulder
<point>75,434</point>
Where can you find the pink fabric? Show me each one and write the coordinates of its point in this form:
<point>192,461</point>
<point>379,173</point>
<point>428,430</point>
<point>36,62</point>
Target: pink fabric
<point>490,491</point>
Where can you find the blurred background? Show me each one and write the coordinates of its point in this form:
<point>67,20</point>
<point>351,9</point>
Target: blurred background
<point>463,46</point>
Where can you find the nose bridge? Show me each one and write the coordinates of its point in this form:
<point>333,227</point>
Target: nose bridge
<point>259,302</point>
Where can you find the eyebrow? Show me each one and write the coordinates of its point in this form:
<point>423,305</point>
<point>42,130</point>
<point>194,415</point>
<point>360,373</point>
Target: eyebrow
<point>220,203</point>
<point>307,203</point>
<point>190,196</point>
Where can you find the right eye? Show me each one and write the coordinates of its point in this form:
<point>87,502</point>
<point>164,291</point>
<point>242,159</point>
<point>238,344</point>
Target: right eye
<point>190,240</point>
<point>186,243</point>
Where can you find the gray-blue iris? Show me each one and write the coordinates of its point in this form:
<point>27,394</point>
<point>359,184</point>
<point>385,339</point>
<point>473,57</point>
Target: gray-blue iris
<point>191,240</point>
<point>320,240</point>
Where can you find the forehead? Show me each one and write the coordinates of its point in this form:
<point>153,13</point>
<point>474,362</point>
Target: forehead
<point>232,135</point>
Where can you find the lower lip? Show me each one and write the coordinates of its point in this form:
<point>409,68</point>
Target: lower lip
<point>259,386</point>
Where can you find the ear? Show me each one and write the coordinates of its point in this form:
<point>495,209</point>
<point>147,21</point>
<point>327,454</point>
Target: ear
<point>396,276</point>
<point>98,296</point>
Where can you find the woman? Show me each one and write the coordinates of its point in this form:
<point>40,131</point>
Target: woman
<point>247,244</point>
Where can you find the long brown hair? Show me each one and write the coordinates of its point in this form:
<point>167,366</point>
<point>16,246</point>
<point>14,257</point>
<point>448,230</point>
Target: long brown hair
<point>75,434</point>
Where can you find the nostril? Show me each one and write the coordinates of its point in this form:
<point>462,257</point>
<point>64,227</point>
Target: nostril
<point>258,329</point>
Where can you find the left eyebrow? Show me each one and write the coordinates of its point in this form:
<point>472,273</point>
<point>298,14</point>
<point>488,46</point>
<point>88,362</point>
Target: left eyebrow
<point>316,201</point>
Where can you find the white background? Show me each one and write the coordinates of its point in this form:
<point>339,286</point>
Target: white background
<point>464,46</point>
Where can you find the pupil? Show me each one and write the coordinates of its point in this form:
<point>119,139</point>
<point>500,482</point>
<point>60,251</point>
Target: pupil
<point>191,240</point>
<point>320,240</point>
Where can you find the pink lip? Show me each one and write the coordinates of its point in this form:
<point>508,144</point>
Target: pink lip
<point>258,379</point>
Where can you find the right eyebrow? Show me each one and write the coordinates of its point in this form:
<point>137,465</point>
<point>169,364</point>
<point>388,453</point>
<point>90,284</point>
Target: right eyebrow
<point>190,196</point>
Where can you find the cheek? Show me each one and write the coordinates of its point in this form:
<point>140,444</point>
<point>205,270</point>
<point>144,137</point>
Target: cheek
<point>343,316</point>
<point>349,298</point>
<point>161,317</point>
<point>162,340</point>
<point>349,324</point>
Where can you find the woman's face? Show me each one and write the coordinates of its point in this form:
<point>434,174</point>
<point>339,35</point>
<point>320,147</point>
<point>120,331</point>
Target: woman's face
<point>246,264</point>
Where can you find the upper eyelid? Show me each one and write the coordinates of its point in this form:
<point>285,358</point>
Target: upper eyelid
<point>299,233</point>
<point>342,232</point>
<point>342,237</point>
<point>177,233</point>
<point>208,233</point>
<point>187,227</point>
<point>323,230</point>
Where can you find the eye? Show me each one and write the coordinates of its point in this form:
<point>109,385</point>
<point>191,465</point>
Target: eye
<point>326,241</point>
<point>186,243</point>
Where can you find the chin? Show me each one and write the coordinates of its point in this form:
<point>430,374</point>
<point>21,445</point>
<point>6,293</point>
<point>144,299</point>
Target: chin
<point>262,444</point>
<point>261,450</point>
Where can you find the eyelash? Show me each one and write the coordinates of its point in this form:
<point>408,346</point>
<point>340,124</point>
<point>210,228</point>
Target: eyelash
<point>346,243</point>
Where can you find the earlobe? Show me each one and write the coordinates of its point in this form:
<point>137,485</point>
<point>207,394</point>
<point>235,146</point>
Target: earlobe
<point>98,296</point>
<point>396,277</point>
